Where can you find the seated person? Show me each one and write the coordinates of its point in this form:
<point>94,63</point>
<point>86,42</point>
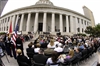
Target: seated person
<point>30,51</point>
<point>70,54</point>
<point>59,49</point>
<point>51,44</point>
<point>54,59</point>
<point>36,50</point>
<point>77,53</point>
<point>22,59</point>
<point>40,58</point>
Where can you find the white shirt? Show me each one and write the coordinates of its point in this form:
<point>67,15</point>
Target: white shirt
<point>36,50</point>
<point>49,61</point>
<point>56,42</point>
<point>58,49</point>
<point>49,46</point>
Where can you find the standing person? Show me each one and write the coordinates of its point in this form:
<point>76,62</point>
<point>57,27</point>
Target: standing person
<point>2,44</point>
<point>8,46</point>
<point>13,49</point>
<point>19,44</point>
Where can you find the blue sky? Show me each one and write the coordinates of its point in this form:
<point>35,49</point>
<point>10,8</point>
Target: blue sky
<point>75,5</point>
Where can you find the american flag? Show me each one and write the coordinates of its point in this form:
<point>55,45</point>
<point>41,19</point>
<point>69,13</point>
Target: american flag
<point>13,38</point>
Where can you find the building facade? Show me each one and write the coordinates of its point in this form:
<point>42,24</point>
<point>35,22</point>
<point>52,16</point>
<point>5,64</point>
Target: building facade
<point>45,17</point>
<point>2,5</point>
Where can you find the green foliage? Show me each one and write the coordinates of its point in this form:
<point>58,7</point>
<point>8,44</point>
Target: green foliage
<point>81,34</point>
<point>93,31</point>
<point>2,33</point>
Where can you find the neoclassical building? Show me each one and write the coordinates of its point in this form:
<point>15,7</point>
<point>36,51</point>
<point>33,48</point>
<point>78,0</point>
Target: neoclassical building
<point>45,17</point>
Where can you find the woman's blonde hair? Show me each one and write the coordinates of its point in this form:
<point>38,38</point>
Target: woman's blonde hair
<point>38,45</point>
<point>19,51</point>
<point>71,53</point>
<point>51,42</point>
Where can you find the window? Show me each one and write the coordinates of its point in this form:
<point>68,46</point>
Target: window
<point>78,20</point>
<point>7,27</point>
<point>82,21</point>
<point>78,29</point>
<point>85,22</point>
<point>82,30</point>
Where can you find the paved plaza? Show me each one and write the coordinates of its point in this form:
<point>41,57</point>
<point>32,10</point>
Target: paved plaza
<point>89,62</point>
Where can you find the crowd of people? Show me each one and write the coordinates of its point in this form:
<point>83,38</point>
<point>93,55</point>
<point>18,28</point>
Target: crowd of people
<point>8,47</point>
<point>52,49</point>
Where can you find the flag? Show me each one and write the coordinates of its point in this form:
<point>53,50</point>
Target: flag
<point>14,36</point>
<point>10,29</point>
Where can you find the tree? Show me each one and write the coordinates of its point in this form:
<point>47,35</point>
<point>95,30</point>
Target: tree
<point>93,31</point>
<point>88,30</point>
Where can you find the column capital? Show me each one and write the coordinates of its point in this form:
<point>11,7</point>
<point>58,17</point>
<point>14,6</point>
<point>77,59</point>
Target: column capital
<point>29,12</point>
<point>53,13</point>
<point>66,14</point>
<point>17,14</point>
<point>60,14</point>
<point>22,13</point>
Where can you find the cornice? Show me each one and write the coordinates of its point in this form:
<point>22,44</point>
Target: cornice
<point>47,7</point>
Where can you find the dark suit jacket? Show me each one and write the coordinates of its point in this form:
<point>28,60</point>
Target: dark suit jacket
<point>19,43</point>
<point>21,58</point>
<point>30,52</point>
<point>40,58</point>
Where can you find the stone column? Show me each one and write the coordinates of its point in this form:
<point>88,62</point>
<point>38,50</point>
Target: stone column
<point>21,23</point>
<point>53,23</point>
<point>61,23</point>
<point>9,23</point>
<point>6,24</point>
<point>76,25</point>
<point>1,25</point>
<point>13,22</point>
<point>80,26</point>
<point>36,23</point>
<point>28,22</point>
<point>67,24</point>
<point>17,18</point>
<point>44,22</point>
<point>84,26</point>
<point>71,24</point>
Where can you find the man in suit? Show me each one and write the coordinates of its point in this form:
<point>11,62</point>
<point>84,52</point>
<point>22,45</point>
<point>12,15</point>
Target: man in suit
<point>40,58</point>
<point>30,50</point>
<point>19,44</point>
